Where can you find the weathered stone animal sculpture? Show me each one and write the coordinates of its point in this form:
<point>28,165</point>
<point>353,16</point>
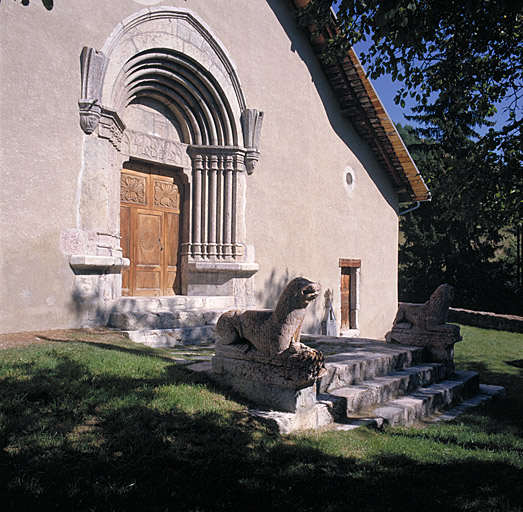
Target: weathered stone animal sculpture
<point>271,332</point>
<point>430,316</point>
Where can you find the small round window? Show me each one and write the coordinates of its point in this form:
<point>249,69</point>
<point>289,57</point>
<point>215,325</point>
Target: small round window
<point>348,179</point>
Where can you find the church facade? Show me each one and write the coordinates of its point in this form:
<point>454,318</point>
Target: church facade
<point>191,149</point>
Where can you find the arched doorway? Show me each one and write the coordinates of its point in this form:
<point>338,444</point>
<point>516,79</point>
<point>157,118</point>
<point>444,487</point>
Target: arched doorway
<point>163,94</point>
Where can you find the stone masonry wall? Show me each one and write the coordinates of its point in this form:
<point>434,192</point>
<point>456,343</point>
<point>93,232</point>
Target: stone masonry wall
<point>486,320</point>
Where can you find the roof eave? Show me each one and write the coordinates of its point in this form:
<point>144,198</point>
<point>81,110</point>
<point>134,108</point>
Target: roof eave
<point>360,103</point>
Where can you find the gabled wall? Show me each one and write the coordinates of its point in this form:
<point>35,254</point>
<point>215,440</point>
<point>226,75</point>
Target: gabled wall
<point>300,214</point>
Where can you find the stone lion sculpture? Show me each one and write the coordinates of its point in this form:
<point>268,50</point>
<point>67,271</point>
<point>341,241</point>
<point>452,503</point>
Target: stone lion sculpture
<point>430,316</point>
<point>272,332</point>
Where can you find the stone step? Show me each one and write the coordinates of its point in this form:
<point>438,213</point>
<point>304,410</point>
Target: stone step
<point>139,320</point>
<point>173,303</point>
<point>406,410</point>
<point>168,338</point>
<point>367,362</point>
<point>377,391</point>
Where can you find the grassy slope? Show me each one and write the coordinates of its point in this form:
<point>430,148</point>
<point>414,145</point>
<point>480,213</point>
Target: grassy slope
<point>114,426</point>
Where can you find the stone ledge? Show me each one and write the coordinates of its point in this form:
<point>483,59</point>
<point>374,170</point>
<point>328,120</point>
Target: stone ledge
<point>223,266</point>
<point>97,264</point>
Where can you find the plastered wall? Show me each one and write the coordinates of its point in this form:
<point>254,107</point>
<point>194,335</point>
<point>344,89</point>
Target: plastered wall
<point>300,216</point>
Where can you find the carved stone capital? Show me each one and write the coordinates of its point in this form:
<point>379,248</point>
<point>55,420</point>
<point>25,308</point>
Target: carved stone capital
<point>89,115</point>
<point>251,159</point>
<point>252,123</point>
<point>93,65</point>
<point>111,127</point>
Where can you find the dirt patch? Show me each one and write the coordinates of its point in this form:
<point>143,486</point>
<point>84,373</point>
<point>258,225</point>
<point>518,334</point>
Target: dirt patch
<point>17,339</point>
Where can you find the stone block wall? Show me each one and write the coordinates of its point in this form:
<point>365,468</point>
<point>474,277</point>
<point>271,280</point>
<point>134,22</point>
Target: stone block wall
<point>486,320</point>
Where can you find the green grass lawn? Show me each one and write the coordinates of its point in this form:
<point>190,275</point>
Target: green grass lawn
<point>100,426</point>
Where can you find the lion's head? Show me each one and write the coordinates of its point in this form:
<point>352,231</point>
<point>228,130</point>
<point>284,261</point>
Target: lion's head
<point>439,303</point>
<point>299,293</point>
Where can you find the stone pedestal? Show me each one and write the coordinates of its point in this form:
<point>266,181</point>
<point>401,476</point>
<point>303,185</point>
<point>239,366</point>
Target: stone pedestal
<point>285,382</point>
<point>439,343</point>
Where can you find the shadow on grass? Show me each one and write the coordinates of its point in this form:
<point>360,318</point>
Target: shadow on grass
<point>119,346</point>
<point>507,410</point>
<point>73,438</point>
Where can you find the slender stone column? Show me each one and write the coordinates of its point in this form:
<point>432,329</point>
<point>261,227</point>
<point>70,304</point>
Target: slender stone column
<point>212,200</point>
<point>197,207</point>
<point>228,214</point>
<point>237,247</point>
<point>219,207</point>
<point>204,209</point>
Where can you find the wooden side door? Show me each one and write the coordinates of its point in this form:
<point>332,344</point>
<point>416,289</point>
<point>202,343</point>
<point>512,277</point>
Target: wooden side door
<point>345,298</point>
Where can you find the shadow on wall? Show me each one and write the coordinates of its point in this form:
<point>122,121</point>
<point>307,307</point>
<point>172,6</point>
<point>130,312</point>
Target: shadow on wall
<point>91,299</point>
<point>268,294</point>
<point>342,126</point>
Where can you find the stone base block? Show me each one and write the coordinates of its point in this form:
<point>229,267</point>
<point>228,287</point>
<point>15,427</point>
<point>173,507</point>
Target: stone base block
<point>439,344</point>
<point>280,383</point>
<point>317,416</point>
<point>275,397</point>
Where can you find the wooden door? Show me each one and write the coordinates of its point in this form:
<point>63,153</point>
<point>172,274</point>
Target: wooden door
<point>345,298</point>
<point>150,233</point>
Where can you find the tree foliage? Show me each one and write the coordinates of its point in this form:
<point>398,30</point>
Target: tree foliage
<point>459,60</point>
<point>48,4</point>
<point>458,237</point>
<point>469,50</point>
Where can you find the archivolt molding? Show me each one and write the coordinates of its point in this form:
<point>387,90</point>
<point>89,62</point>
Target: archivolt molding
<point>186,88</point>
<point>168,55</point>
<point>176,29</point>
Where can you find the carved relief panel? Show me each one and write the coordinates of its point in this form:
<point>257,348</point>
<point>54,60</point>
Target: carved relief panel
<point>133,188</point>
<point>166,193</point>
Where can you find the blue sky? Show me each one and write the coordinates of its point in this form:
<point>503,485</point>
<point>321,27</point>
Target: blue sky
<point>387,89</point>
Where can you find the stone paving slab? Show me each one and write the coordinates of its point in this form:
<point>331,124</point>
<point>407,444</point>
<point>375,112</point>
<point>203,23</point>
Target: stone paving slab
<point>168,338</point>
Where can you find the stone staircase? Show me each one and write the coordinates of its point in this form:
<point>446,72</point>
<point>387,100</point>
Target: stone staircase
<point>169,321</point>
<point>379,384</point>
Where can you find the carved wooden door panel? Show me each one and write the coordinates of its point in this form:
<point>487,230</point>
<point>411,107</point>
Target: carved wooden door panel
<point>150,233</point>
<point>148,250</point>
<point>345,298</point>
<point>167,200</point>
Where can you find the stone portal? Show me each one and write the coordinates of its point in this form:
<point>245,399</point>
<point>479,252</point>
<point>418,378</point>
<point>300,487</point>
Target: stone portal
<point>163,92</point>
